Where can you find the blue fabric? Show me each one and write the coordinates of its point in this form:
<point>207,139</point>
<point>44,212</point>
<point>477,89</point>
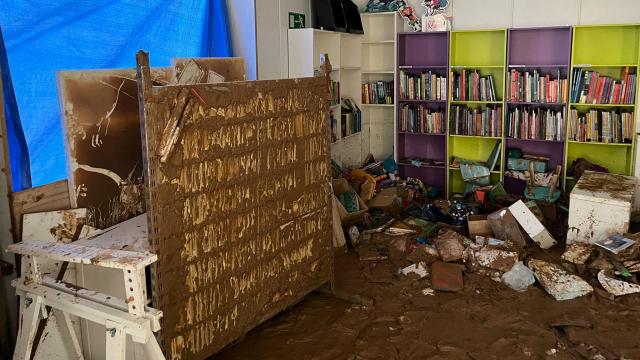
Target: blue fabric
<point>44,36</point>
<point>18,153</point>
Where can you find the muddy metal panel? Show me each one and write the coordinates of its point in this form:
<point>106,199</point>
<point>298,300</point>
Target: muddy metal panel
<point>238,203</point>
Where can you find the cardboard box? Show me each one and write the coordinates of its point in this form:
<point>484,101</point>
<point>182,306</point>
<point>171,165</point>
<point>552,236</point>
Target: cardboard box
<point>341,186</point>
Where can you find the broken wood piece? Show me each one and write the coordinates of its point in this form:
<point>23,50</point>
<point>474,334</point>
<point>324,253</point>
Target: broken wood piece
<point>54,226</point>
<point>532,225</point>
<point>173,127</point>
<point>557,282</point>
<point>419,269</point>
<point>130,235</point>
<point>496,259</point>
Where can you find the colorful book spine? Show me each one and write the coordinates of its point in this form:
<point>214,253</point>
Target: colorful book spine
<point>468,85</point>
<point>591,87</point>
<point>420,119</point>
<point>476,122</point>
<point>526,86</point>
<point>601,126</point>
<point>351,117</point>
<point>535,124</point>
<point>379,92</point>
<point>424,86</point>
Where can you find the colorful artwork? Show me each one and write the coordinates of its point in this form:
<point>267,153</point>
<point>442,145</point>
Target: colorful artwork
<point>409,14</point>
<point>381,6</point>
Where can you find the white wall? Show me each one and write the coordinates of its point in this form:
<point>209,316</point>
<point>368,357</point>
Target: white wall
<point>242,15</point>
<point>272,24</point>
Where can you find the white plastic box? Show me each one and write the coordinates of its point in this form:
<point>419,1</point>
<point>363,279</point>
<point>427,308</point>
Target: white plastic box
<point>600,205</point>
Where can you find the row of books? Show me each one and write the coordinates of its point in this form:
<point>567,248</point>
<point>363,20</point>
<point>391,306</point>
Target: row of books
<point>424,86</point>
<point>532,87</point>
<point>476,122</point>
<point>334,92</point>
<point>333,123</point>
<point>536,124</point>
<point>420,119</point>
<point>470,86</point>
<point>601,126</point>
<point>351,118</point>
<point>590,87</point>
<point>380,92</point>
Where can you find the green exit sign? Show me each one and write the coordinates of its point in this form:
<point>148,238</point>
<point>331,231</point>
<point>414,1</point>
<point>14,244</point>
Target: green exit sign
<point>296,21</point>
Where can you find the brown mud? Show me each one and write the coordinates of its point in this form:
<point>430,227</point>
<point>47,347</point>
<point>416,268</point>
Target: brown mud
<point>486,320</point>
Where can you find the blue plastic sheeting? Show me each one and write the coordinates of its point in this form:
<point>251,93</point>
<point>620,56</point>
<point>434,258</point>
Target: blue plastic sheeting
<point>43,37</point>
<point>18,154</point>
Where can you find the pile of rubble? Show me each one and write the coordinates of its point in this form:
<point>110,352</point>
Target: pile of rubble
<point>489,232</point>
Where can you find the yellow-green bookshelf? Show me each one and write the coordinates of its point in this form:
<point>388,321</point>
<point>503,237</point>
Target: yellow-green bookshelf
<point>607,49</point>
<point>485,51</point>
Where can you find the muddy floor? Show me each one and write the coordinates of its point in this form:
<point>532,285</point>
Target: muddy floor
<point>486,321</point>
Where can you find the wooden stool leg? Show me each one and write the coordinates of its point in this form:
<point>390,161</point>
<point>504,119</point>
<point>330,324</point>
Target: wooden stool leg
<point>116,341</point>
<point>68,333</point>
<point>29,316</point>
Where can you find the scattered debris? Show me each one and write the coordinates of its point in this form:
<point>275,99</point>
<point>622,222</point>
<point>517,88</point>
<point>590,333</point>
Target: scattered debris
<point>532,225</point>
<point>428,292</point>
<point>449,245</point>
<point>419,269</point>
<point>578,253</point>
<point>557,282</point>
<point>617,287</point>
<point>493,258</point>
<point>505,227</point>
<point>519,278</point>
<point>424,253</point>
<point>447,277</point>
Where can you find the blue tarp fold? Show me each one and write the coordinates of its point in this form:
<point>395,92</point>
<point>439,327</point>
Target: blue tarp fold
<point>43,37</point>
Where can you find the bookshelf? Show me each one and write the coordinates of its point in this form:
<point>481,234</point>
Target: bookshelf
<point>482,52</point>
<point>539,52</point>
<point>305,48</point>
<point>378,65</point>
<point>417,54</point>
<point>608,50</point>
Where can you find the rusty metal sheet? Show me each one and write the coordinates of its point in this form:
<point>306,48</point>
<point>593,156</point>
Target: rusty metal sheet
<point>238,204</point>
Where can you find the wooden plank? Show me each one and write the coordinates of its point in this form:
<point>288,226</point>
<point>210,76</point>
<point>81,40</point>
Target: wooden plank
<point>49,197</point>
<point>130,235</point>
<point>79,254</point>
<point>240,212</point>
<point>53,226</point>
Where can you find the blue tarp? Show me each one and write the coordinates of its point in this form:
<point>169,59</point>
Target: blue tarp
<point>42,37</point>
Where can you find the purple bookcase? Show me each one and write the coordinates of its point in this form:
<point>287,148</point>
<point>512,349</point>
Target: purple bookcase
<point>417,53</point>
<point>547,50</point>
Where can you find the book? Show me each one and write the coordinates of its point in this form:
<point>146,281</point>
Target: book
<point>476,122</point>
<point>334,92</point>
<point>420,119</point>
<point>601,126</point>
<point>591,87</point>
<point>379,92</point>
<point>526,86</point>
<point>351,117</point>
<point>615,243</point>
<point>468,85</point>
<point>535,124</point>
<point>423,86</point>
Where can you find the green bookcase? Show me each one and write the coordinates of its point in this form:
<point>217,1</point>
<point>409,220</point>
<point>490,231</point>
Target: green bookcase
<point>606,49</point>
<point>485,51</point>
